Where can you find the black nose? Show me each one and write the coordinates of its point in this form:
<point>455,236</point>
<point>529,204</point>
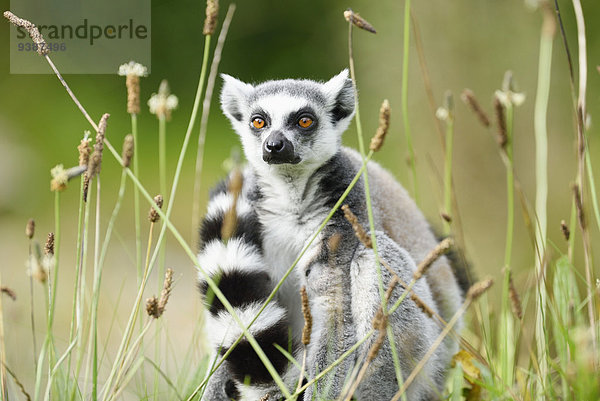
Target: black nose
<point>275,144</point>
<point>277,149</point>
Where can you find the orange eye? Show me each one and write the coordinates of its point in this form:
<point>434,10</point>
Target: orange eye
<point>305,122</point>
<point>258,123</point>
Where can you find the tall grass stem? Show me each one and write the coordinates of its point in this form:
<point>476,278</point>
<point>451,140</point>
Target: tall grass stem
<point>541,196</point>
<point>210,85</point>
<point>136,200</point>
<point>405,64</point>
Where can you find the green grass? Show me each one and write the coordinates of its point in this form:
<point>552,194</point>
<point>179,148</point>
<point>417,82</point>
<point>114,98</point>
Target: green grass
<point>549,353</point>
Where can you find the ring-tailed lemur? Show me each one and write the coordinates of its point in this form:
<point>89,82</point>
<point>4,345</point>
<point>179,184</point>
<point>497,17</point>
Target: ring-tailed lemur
<point>291,133</point>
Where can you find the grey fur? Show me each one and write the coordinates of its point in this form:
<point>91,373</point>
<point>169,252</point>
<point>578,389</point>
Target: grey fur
<point>291,201</point>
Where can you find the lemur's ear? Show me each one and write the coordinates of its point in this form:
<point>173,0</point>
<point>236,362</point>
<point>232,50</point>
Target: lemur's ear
<point>340,96</point>
<point>234,97</point>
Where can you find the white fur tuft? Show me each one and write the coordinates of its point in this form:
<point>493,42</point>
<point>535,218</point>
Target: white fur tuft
<point>221,203</point>
<point>222,330</point>
<point>235,255</point>
<point>234,97</point>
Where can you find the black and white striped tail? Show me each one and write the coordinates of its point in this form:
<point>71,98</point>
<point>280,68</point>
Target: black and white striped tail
<point>236,264</point>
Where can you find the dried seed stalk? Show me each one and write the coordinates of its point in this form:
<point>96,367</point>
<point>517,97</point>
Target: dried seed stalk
<point>166,291</point>
<point>132,82</point>
<point>41,46</point>
<point>230,219</point>
<point>469,98</point>
<point>128,147</point>
<point>86,185</point>
<point>515,300</point>
<point>440,249</point>
<point>49,247</point>
<point>212,16</point>
<point>153,214</point>
<point>95,162</point>
<point>565,230</point>
<point>358,21</point>
<point>376,346</point>
<point>382,129</point>
<point>579,206</point>
<point>155,307</point>
<point>30,229</point>
<point>359,230</point>
<point>152,307</point>
<point>84,152</point>
<point>478,289</point>
<point>306,331</point>
<point>502,137</point>
<point>8,291</point>
<point>422,305</point>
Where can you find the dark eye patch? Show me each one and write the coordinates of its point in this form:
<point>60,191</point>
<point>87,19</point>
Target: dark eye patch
<point>292,119</point>
<point>259,113</point>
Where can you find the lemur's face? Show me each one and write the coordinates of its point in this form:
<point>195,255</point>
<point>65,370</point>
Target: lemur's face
<point>290,124</point>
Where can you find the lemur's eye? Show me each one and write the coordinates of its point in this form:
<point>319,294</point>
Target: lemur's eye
<point>258,123</point>
<point>305,122</point>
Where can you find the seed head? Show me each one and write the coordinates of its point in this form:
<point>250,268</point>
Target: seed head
<point>376,346</point>
<point>515,300</point>
<point>86,185</point>
<point>133,94</point>
<point>156,307</point>
<point>509,96</point>
<point>333,243</point>
<point>84,149</point>
<point>469,98</point>
<point>128,147</point>
<point>152,307</point>
<point>41,46</point>
<point>132,72</point>
<point>212,15</point>
<point>565,230</point>
<point>379,320</point>
<point>132,68</point>
<point>153,214</point>
<point>478,289</point>
<point>236,181</point>
<point>358,21</point>
<point>448,107</point>
<point>163,103</point>
<point>59,178</point>
<point>442,114</point>
<point>422,305</point>
<point>306,331</point>
<point>8,291</point>
<point>166,291</point>
<point>440,249</point>
<point>579,206</point>
<point>502,137</point>
<point>393,283</point>
<point>49,247</point>
<point>382,129</point>
<point>359,230</point>
<point>37,270</point>
<point>95,163</point>
<point>30,229</point>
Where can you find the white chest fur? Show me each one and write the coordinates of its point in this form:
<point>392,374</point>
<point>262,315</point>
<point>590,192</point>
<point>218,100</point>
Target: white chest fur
<point>290,218</point>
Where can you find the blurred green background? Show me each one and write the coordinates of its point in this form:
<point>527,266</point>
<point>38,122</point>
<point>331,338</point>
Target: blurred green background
<point>466,43</point>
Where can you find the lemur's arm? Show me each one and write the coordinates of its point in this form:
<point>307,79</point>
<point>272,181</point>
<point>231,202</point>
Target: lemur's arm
<point>236,265</point>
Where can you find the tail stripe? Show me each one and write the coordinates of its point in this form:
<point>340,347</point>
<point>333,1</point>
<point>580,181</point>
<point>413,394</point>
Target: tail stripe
<point>239,287</point>
<point>247,361</point>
